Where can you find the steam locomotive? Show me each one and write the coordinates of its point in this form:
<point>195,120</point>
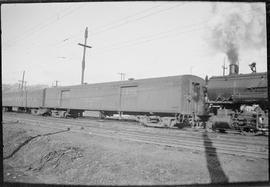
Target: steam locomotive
<point>236,101</point>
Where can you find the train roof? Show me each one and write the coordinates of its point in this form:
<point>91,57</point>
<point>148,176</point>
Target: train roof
<point>125,82</point>
<point>239,76</point>
<point>171,78</point>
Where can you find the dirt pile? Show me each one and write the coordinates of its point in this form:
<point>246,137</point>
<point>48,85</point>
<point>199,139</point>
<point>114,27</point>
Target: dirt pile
<point>56,159</point>
<point>37,154</point>
<point>12,139</point>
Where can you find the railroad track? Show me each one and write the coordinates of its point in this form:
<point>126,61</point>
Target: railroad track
<point>206,142</point>
<point>235,139</point>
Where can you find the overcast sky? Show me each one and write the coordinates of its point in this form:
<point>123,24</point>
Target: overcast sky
<point>141,39</point>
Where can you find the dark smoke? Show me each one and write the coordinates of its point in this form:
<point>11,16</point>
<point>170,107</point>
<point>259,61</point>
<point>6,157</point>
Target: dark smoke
<point>232,54</point>
<point>236,26</point>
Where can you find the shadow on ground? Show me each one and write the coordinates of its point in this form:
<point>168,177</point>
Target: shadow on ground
<point>215,170</point>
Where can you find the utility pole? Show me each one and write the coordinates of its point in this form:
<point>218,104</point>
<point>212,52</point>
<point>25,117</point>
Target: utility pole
<point>84,49</point>
<point>224,67</point>
<point>56,83</point>
<point>122,76</point>
<point>22,81</point>
<point>25,94</point>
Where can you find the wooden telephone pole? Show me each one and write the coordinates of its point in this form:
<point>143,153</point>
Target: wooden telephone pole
<point>22,81</point>
<point>122,76</point>
<point>84,49</point>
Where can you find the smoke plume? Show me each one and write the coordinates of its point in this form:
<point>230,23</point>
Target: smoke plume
<point>236,26</point>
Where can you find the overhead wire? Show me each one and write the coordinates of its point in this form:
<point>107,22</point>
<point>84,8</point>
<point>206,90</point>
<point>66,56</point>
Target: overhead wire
<point>39,24</point>
<point>151,39</point>
<point>41,27</point>
<point>152,35</point>
<point>114,22</point>
<point>124,21</point>
<point>130,43</point>
<point>61,42</point>
<point>132,20</point>
<point>136,19</point>
<point>115,26</point>
<point>126,17</point>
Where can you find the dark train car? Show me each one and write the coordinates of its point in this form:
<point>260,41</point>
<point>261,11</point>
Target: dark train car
<point>239,89</point>
<point>23,99</point>
<point>13,99</point>
<point>170,99</point>
<point>166,95</point>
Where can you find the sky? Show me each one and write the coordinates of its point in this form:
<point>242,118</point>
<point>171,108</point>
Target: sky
<point>141,39</point>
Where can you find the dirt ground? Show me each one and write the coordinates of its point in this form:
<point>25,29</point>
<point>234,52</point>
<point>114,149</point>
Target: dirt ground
<point>66,157</point>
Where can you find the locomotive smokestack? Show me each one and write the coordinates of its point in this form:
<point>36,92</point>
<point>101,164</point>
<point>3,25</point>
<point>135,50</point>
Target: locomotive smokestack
<point>234,69</point>
<point>232,54</point>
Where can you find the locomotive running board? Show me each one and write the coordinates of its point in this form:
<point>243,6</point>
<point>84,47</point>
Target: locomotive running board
<point>220,102</point>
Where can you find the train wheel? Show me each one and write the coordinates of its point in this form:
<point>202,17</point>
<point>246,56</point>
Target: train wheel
<point>214,127</point>
<point>235,125</point>
<point>222,130</point>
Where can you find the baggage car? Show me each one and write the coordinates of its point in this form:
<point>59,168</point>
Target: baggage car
<point>162,97</point>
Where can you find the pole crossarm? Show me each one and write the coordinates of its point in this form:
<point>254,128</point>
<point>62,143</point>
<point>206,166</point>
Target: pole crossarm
<point>84,45</point>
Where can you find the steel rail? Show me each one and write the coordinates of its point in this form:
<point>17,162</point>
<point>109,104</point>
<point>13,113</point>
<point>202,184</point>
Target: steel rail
<point>158,142</point>
<point>158,139</point>
<point>192,138</point>
<point>178,135</point>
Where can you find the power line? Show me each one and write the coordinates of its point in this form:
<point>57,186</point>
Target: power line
<point>126,18</point>
<point>39,28</point>
<point>62,42</point>
<point>115,26</point>
<point>139,18</point>
<point>152,35</point>
<point>136,19</point>
<point>106,25</point>
<point>78,33</point>
<point>38,25</point>
<point>131,43</point>
<point>151,39</point>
